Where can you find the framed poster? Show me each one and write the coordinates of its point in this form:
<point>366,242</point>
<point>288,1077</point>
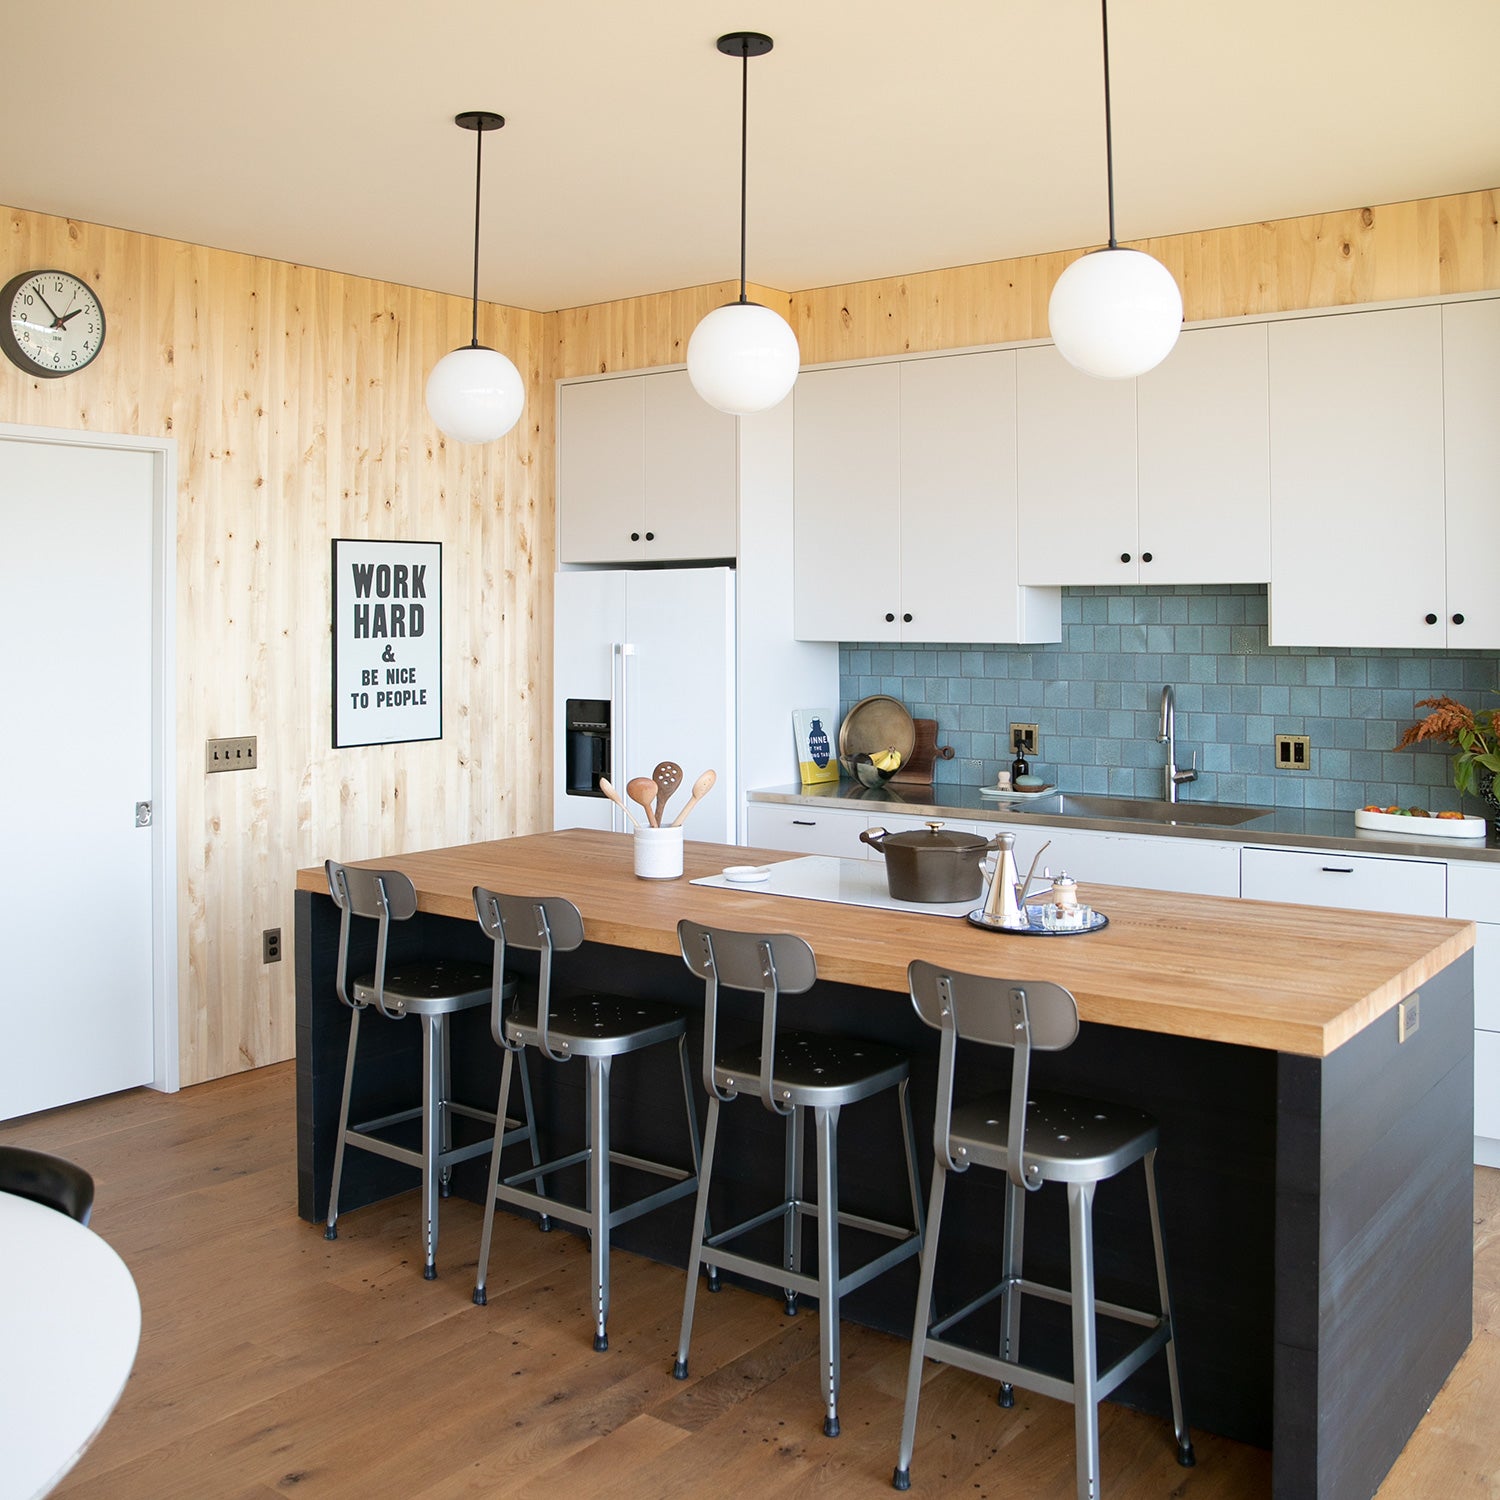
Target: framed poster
<point>387,642</point>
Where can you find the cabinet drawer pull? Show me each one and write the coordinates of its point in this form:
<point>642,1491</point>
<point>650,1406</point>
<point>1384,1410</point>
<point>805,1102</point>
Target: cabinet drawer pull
<point>1458,619</point>
<point>906,619</point>
<point>889,617</point>
<point>1430,619</point>
<point>1124,557</point>
<point>1145,557</point>
<point>1338,869</point>
<point>635,536</point>
<point>804,822</point>
<point>650,536</point>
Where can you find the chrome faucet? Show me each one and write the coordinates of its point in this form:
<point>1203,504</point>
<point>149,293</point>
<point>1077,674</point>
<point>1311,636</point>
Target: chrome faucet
<point>1172,776</point>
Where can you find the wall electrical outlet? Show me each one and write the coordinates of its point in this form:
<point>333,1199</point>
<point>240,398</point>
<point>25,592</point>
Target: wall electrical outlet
<point>1023,737</point>
<point>1408,1016</point>
<point>230,755</point>
<point>270,946</point>
<point>1293,752</point>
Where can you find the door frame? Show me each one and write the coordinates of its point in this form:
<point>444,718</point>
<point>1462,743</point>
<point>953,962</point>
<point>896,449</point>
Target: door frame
<point>165,1052</point>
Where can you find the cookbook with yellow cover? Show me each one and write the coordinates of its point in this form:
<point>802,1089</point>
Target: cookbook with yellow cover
<point>815,758</point>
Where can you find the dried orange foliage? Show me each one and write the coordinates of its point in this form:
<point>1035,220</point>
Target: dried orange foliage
<point>1447,722</point>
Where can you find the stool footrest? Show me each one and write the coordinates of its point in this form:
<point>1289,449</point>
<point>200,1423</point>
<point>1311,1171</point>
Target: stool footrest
<point>508,1191</point>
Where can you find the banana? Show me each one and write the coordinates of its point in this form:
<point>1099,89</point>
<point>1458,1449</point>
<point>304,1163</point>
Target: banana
<point>888,760</point>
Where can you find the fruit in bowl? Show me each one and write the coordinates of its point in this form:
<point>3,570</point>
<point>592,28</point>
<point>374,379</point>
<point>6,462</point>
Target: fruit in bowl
<point>871,770</point>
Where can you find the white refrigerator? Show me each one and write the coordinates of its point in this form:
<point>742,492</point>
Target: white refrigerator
<point>644,671</point>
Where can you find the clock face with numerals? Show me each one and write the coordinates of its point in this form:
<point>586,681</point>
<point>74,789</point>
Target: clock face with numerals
<point>51,323</point>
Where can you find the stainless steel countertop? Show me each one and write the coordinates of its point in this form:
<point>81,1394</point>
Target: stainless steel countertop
<point>1307,827</point>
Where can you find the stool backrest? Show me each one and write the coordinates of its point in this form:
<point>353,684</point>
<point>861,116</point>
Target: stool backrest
<point>1034,1015</point>
<point>537,924</point>
<point>49,1180</point>
<point>383,896</point>
<point>767,964</point>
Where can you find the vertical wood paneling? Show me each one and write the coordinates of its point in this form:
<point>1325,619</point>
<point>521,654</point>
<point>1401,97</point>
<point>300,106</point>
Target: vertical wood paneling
<point>296,398</point>
<point>1420,249</point>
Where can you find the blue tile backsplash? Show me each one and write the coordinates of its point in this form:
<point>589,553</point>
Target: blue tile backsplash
<point>1096,696</point>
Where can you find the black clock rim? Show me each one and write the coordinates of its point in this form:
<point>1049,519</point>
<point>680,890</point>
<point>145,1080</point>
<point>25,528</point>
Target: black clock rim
<point>10,345</point>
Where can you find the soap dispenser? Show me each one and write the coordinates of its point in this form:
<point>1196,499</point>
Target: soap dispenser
<point>1019,766</point>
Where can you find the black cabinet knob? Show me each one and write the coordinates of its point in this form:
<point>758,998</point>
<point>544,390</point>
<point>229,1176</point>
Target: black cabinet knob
<point>1124,557</point>
<point>650,536</point>
<point>906,619</point>
<point>889,618</point>
<point>1145,557</point>
<point>1431,619</point>
<point>1458,619</point>
<point>635,536</point>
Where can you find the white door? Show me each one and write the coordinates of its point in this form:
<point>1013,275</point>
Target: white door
<point>76,920</point>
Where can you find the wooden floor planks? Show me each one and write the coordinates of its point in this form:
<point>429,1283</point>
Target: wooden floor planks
<point>273,1362</point>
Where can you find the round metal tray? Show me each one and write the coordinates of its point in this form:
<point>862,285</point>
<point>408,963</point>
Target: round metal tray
<point>1035,929</point>
<point>875,724</point>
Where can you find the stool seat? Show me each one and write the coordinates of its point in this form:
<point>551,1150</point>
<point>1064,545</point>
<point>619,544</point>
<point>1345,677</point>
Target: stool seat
<point>1068,1138</point>
<point>815,1070</point>
<point>428,987</point>
<point>593,1025</point>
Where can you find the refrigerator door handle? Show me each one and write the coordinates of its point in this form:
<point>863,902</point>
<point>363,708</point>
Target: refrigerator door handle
<point>620,735</point>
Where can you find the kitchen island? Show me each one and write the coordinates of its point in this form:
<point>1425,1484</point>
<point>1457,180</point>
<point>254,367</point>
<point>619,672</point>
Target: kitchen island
<point>1315,1167</point>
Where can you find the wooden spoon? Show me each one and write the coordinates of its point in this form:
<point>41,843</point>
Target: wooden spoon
<point>643,789</point>
<point>618,800</point>
<point>668,777</point>
<point>701,788</point>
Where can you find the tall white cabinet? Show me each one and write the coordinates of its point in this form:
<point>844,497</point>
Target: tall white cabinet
<point>906,519</point>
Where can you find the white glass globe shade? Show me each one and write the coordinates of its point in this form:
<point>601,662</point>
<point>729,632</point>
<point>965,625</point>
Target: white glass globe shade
<point>475,395</point>
<point>1115,313</point>
<point>743,358</point>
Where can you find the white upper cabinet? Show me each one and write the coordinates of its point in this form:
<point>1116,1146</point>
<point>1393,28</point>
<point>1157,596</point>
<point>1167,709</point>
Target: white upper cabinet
<point>1471,417</point>
<point>906,505</point>
<point>959,568</point>
<point>1076,473</point>
<point>846,554</point>
<point>1358,553</point>
<point>1204,440</point>
<point>646,472</point>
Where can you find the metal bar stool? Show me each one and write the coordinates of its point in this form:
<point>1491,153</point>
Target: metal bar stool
<point>598,1028</point>
<point>1058,1138</point>
<point>790,1073</point>
<point>431,989</point>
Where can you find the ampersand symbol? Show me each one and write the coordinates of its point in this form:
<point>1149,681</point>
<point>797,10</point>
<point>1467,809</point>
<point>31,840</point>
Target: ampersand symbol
<point>389,654</point>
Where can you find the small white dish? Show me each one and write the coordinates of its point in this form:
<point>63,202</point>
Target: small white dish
<point>747,874</point>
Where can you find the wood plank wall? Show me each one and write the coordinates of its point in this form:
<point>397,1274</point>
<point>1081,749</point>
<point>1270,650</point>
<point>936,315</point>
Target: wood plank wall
<point>296,399</point>
<point>1423,248</point>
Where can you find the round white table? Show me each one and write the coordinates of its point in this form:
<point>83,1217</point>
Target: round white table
<point>70,1321</point>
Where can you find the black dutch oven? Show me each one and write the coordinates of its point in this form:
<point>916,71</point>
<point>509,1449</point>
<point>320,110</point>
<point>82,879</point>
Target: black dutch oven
<point>931,864</point>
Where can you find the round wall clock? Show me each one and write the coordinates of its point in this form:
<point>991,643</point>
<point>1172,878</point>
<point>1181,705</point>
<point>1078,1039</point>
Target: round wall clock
<point>51,323</point>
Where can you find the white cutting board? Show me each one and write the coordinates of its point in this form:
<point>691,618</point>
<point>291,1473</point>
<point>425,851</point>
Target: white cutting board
<point>847,882</point>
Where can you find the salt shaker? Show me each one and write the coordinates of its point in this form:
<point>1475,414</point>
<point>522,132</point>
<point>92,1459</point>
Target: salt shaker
<point>1065,891</point>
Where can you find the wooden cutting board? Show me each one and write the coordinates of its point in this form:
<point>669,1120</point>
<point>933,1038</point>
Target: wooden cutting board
<point>917,767</point>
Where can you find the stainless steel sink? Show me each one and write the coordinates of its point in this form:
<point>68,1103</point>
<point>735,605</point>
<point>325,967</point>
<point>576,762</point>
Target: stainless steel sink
<point>1141,810</point>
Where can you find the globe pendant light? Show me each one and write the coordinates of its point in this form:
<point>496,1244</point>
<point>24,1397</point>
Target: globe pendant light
<point>1114,313</point>
<point>743,357</point>
<point>475,394</point>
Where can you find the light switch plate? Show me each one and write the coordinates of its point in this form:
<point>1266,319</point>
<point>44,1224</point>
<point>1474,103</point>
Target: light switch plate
<point>236,754</point>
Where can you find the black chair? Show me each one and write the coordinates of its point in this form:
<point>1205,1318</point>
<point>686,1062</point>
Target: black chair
<point>597,1028</point>
<point>431,989</point>
<point>1034,1138</point>
<point>794,1074</point>
<point>47,1180</point>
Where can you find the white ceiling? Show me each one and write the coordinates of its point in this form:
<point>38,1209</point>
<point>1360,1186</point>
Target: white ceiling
<point>886,136</point>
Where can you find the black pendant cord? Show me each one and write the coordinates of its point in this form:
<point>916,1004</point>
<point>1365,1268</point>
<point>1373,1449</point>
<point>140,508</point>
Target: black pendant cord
<point>1109,144</point>
<point>744,151</point>
<point>478,168</point>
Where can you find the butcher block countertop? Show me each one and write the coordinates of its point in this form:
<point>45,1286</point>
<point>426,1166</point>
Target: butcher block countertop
<point>1299,980</point>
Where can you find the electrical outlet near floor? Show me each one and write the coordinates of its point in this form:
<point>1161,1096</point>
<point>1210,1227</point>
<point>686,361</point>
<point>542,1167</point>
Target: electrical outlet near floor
<point>270,945</point>
<point>1293,752</point>
<point>1023,737</point>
